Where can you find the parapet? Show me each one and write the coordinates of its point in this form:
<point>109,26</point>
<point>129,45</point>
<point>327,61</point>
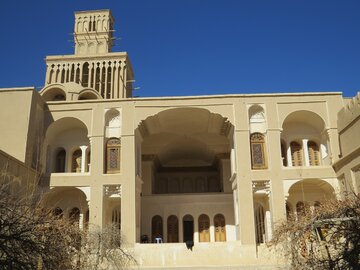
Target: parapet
<point>349,113</point>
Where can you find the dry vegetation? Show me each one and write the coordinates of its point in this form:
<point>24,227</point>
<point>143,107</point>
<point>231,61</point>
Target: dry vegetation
<point>32,237</point>
<point>327,237</point>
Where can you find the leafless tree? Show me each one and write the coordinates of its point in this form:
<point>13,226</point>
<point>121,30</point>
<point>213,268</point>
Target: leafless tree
<point>326,237</point>
<point>33,237</point>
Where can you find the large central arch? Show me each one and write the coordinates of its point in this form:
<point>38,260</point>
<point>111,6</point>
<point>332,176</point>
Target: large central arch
<point>185,161</point>
<point>181,142</point>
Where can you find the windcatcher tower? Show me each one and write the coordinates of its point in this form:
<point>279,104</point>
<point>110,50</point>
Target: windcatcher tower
<point>93,66</point>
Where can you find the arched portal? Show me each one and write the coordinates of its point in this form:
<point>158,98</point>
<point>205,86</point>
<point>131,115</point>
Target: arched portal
<point>156,228</point>
<point>186,146</point>
<point>188,228</point>
<point>307,194</point>
<point>305,139</point>
<point>68,145</point>
<point>187,153</point>
<point>172,229</point>
<point>220,230</point>
<point>67,202</point>
<point>204,228</point>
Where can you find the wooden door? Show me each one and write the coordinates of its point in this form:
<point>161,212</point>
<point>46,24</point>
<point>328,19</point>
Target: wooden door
<point>204,228</point>
<point>296,154</point>
<point>172,229</point>
<point>220,231</point>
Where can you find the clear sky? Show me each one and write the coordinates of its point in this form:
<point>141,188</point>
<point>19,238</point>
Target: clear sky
<point>195,47</point>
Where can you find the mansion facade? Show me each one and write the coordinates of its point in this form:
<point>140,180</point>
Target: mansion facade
<point>217,171</point>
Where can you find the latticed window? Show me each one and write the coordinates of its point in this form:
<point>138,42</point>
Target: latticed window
<point>296,154</point>
<point>314,154</point>
<point>258,156</point>
<point>113,148</point>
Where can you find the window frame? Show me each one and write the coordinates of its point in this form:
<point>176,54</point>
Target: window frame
<point>113,146</point>
<point>258,139</point>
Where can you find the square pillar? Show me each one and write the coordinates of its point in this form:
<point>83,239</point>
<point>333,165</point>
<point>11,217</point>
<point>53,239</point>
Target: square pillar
<point>244,190</point>
<point>96,205</point>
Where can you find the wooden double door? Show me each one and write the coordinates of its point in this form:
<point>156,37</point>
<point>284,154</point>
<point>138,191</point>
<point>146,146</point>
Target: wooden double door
<point>220,230</point>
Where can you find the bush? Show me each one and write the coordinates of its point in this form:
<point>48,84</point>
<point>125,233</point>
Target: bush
<point>328,237</point>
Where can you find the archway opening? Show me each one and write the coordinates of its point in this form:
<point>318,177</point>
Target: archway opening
<point>306,195</point>
<point>68,146</point>
<point>304,140</point>
<point>186,147</point>
<point>188,228</point>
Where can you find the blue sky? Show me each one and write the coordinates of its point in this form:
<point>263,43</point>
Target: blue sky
<point>196,47</point>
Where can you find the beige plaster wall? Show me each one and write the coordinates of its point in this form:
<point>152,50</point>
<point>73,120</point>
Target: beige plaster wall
<point>348,167</point>
<point>15,115</point>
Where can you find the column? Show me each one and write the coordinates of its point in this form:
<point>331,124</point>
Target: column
<point>83,157</point>
<point>112,80</point>
<point>66,72</point>
<point>289,157</point>
<point>125,81</point>
<point>81,221</point>
<point>75,71</point>
<point>268,226</point>
<point>89,74</point>
<point>236,207</point>
<point>121,80</point>
<point>117,80</point>
<point>212,229</point>
<point>94,75</point>
<point>306,152</point>
<point>48,71</point>
<point>196,230</point>
<point>81,73</point>
<point>106,90</point>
